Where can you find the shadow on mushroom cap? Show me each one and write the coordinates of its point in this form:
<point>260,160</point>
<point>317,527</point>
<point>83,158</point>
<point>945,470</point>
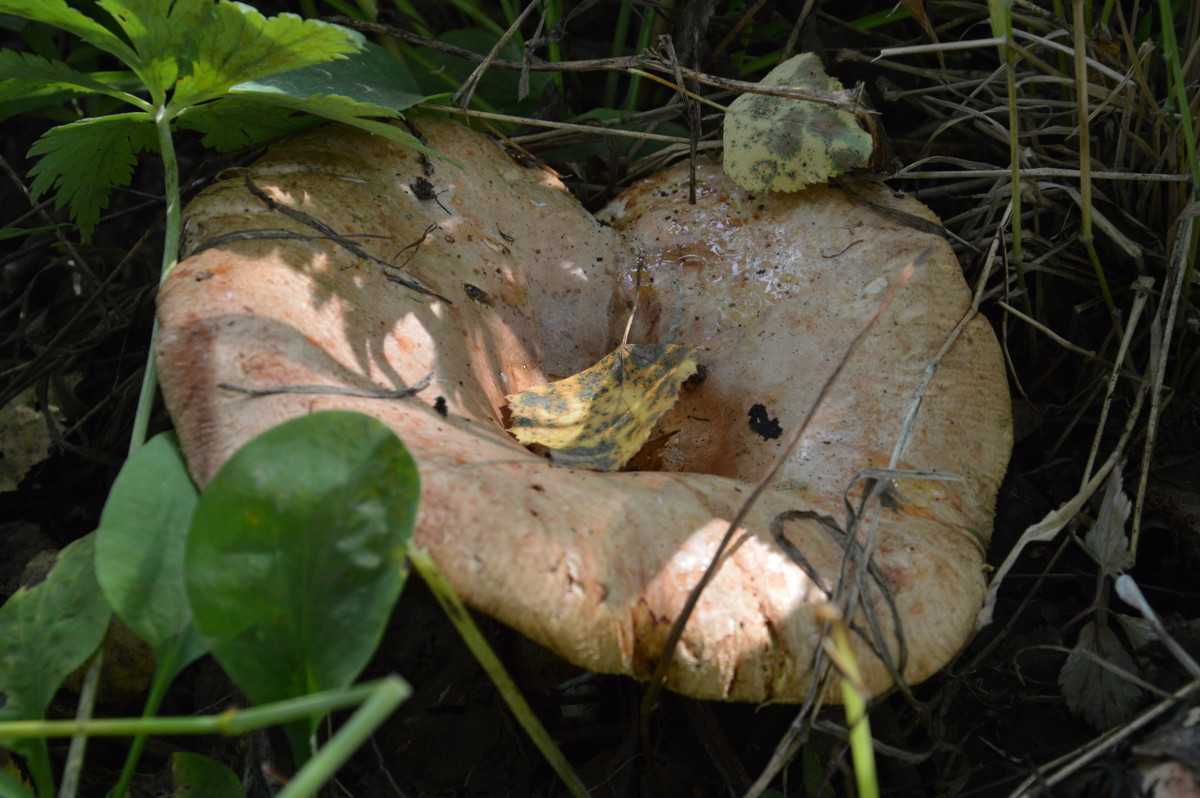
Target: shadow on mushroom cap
<point>596,566</point>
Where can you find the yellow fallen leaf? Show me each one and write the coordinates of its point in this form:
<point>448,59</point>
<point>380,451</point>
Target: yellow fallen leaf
<point>600,417</point>
<point>782,144</point>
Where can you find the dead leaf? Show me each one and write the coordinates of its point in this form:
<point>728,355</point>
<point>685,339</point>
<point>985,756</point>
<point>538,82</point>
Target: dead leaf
<point>24,438</point>
<point>1106,540</point>
<point>1102,697</point>
<point>600,417</point>
<point>782,144</point>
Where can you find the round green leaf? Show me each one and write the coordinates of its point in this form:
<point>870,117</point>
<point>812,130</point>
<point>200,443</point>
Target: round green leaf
<point>140,545</point>
<point>47,630</point>
<point>296,553</point>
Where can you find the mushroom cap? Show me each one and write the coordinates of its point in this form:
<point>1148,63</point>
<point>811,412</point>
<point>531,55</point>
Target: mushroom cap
<point>596,566</point>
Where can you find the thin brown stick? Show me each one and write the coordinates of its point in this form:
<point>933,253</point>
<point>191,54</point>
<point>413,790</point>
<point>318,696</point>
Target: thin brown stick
<point>846,100</point>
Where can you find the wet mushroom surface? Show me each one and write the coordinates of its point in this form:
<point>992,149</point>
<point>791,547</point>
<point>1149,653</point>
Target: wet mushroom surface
<point>483,277</point>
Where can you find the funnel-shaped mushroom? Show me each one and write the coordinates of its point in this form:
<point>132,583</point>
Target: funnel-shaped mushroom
<point>527,287</point>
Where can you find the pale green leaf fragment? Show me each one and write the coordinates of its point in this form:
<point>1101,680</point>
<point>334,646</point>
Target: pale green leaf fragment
<point>600,417</point>
<point>1106,540</point>
<point>63,17</point>
<point>783,144</point>
<point>1139,631</point>
<point>241,44</point>
<point>22,73</point>
<point>1103,698</point>
<point>85,160</point>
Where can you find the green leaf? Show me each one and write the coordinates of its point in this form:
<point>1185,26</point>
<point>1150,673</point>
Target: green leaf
<point>344,110</point>
<point>372,76</point>
<point>295,556</point>
<point>1106,541</point>
<point>161,40</point>
<point>84,160</point>
<point>196,776</point>
<point>139,550</point>
<point>9,786</point>
<point>47,630</point>
<point>23,73</point>
<point>241,44</point>
<point>499,89</point>
<point>63,17</point>
<point>371,83</point>
<point>17,232</point>
<point>235,122</point>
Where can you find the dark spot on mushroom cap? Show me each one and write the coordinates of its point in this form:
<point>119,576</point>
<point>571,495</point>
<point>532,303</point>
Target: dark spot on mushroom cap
<point>439,405</point>
<point>478,294</point>
<point>693,382</point>
<point>422,189</point>
<point>765,426</point>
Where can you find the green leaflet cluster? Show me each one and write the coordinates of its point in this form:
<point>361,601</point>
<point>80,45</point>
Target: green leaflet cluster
<point>219,68</point>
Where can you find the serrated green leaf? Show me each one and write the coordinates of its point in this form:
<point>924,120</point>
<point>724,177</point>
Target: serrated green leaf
<point>782,144</point>
<point>48,630</point>
<point>241,44</point>
<point>63,17</point>
<point>21,73</point>
<point>139,550</point>
<point>600,417</point>
<point>161,40</point>
<point>235,122</point>
<point>295,555</point>
<point>84,160</point>
<point>1103,697</point>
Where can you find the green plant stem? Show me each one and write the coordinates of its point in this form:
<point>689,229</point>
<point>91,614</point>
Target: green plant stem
<point>554,13</point>
<point>230,723</point>
<point>387,694</point>
<point>172,232</point>
<point>645,32</point>
<point>617,48</point>
<point>477,16</point>
<point>862,751</point>
<point>1085,155</point>
<point>37,759</point>
<point>1170,48</point>
<point>1014,158</point>
<point>163,675</point>
<point>458,614</point>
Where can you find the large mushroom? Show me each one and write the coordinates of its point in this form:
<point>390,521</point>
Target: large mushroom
<point>386,268</point>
